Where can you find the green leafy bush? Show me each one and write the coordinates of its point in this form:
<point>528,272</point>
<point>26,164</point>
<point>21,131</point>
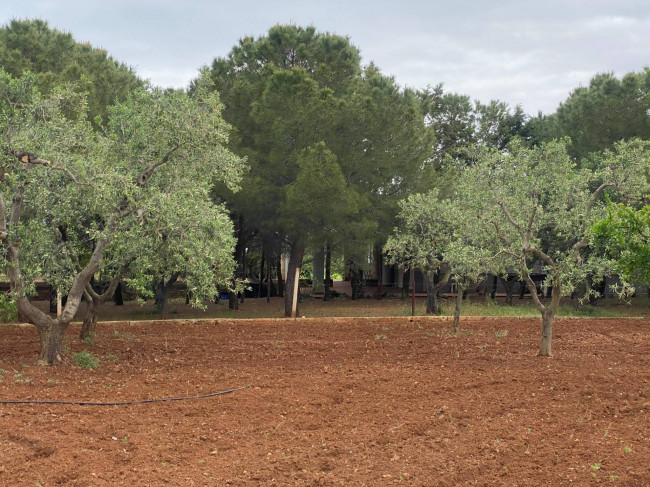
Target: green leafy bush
<point>85,360</point>
<point>8,308</point>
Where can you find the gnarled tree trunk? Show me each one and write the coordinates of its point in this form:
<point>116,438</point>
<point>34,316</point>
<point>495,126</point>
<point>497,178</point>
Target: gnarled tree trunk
<point>162,292</point>
<point>548,314</point>
<point>547,333</point>
<point>432,294</point>
<point>50,331</point>
<point>433,288</point>
<point>94,301</point>
<point>51,338</point>
<point>509,285</point>
<point>90,318</point>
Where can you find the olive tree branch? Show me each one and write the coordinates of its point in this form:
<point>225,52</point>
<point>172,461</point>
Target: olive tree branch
<point>541,255</point>
<point>530,221</point>
<point>533,290</point>
<point>144,176</point>
<point>510,219</point>
<point>582,243</point>
<point>27,158</point>
<point>3,219</point>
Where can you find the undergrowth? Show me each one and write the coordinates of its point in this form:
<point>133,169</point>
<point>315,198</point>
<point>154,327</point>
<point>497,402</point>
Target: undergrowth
<point>85,360</point>
<point>528,309</point>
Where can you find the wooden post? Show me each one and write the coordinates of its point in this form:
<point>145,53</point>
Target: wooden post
<point>296,286</point>
<point>59,304</point>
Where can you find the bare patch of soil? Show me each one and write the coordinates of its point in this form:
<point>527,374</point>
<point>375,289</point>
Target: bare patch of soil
<point>333,401</point>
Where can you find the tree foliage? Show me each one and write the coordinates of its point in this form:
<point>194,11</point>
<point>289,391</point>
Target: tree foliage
<point>459,124</point>
<point>624,234</point>
<point>430,237</point>
<point>516,199</point>
<point>426,230</point>
<point>308,117</point>
<point>81,200</point>
<point>597,116</point>
<point>56,58</point>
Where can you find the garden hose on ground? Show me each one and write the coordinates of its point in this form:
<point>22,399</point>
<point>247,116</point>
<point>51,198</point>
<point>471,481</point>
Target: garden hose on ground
<point>126,403</point>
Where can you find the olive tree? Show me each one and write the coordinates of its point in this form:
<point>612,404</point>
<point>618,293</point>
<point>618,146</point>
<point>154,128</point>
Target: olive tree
<point>469,264</point>
<point>430,237</point>
<point>70,197</point>
<point>425,231</point>
<point>528,205</point>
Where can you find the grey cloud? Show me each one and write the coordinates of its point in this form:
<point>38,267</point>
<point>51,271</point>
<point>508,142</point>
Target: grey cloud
<point>518,51</point>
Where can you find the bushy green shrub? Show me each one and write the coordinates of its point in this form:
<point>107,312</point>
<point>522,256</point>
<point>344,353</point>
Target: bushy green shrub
<point>85,360</point>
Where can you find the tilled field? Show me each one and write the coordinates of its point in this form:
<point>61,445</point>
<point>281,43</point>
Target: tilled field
<point>332,401</point>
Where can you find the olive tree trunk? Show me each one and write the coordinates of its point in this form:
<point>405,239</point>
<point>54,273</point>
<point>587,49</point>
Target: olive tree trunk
<point>233,301</point>
<point>90,318</point>
<point>95,301</point>
<point>547,331</point>
<point>432,294</point>
<point>51,340</point>
<point>433,289</point>
<point>548,314</point>
<point>162,292</point>
<point>51,331</point>
<point>509,285</point>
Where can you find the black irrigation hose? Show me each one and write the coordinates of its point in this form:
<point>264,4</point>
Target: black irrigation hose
<point>126,403</point>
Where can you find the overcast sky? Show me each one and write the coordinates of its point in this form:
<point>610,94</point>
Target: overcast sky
<point>524,52</point>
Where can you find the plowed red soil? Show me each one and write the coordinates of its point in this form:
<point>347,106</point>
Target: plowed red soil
<point>336,401</point>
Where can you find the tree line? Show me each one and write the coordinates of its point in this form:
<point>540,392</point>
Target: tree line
<point>288,144</point>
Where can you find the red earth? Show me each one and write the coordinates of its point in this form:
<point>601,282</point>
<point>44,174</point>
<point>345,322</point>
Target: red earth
<point>332,401</point>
